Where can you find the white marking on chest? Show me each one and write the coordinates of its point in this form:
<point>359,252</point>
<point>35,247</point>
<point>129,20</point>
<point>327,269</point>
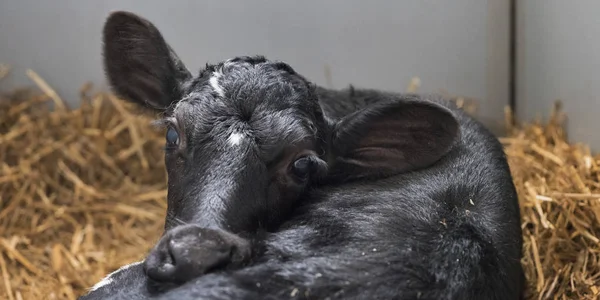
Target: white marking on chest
<point>108,279</point>
<point>235,138</point>
<point>214,83</point>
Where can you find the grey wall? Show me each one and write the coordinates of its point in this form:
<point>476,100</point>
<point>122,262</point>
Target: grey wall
<point>459,46</point>
<point>559,58</point>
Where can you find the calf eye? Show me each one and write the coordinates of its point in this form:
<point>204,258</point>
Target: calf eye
<point>172,137</point>
<point>302,167</point>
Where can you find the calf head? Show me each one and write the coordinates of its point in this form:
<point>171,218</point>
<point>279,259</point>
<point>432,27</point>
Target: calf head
<point>246,137</point>
<point>242,137</point>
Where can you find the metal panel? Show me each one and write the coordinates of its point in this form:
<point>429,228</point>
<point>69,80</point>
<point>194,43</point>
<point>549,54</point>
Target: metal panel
<point>558,59</point>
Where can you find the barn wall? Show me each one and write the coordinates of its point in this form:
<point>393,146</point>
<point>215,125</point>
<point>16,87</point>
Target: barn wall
<point>459,47</point>
<point>559,59</point>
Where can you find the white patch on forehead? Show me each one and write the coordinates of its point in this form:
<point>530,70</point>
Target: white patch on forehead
<point>214,83</point>
<point>235,138</point>
<point>108,279</point>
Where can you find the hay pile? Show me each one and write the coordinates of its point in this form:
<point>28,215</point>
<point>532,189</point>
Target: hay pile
<point>83,190</point>
<point>559,190</point>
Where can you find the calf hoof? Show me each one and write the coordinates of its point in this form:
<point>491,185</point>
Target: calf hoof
<point>188,251</point>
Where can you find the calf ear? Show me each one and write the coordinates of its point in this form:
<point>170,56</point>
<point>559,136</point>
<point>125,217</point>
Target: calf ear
<point>395,137</point>
<point>139,65</point>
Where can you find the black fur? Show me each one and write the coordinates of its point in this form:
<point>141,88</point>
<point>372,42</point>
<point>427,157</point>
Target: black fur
<point>418,201</point>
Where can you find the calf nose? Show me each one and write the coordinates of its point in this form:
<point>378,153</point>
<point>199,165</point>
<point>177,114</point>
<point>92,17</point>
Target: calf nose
<point>188,251</point>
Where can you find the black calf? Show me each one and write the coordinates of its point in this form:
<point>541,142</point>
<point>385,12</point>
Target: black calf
<point>418,201</point>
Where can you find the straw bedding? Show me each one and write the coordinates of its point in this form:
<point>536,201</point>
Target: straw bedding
<point>82,192</point>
